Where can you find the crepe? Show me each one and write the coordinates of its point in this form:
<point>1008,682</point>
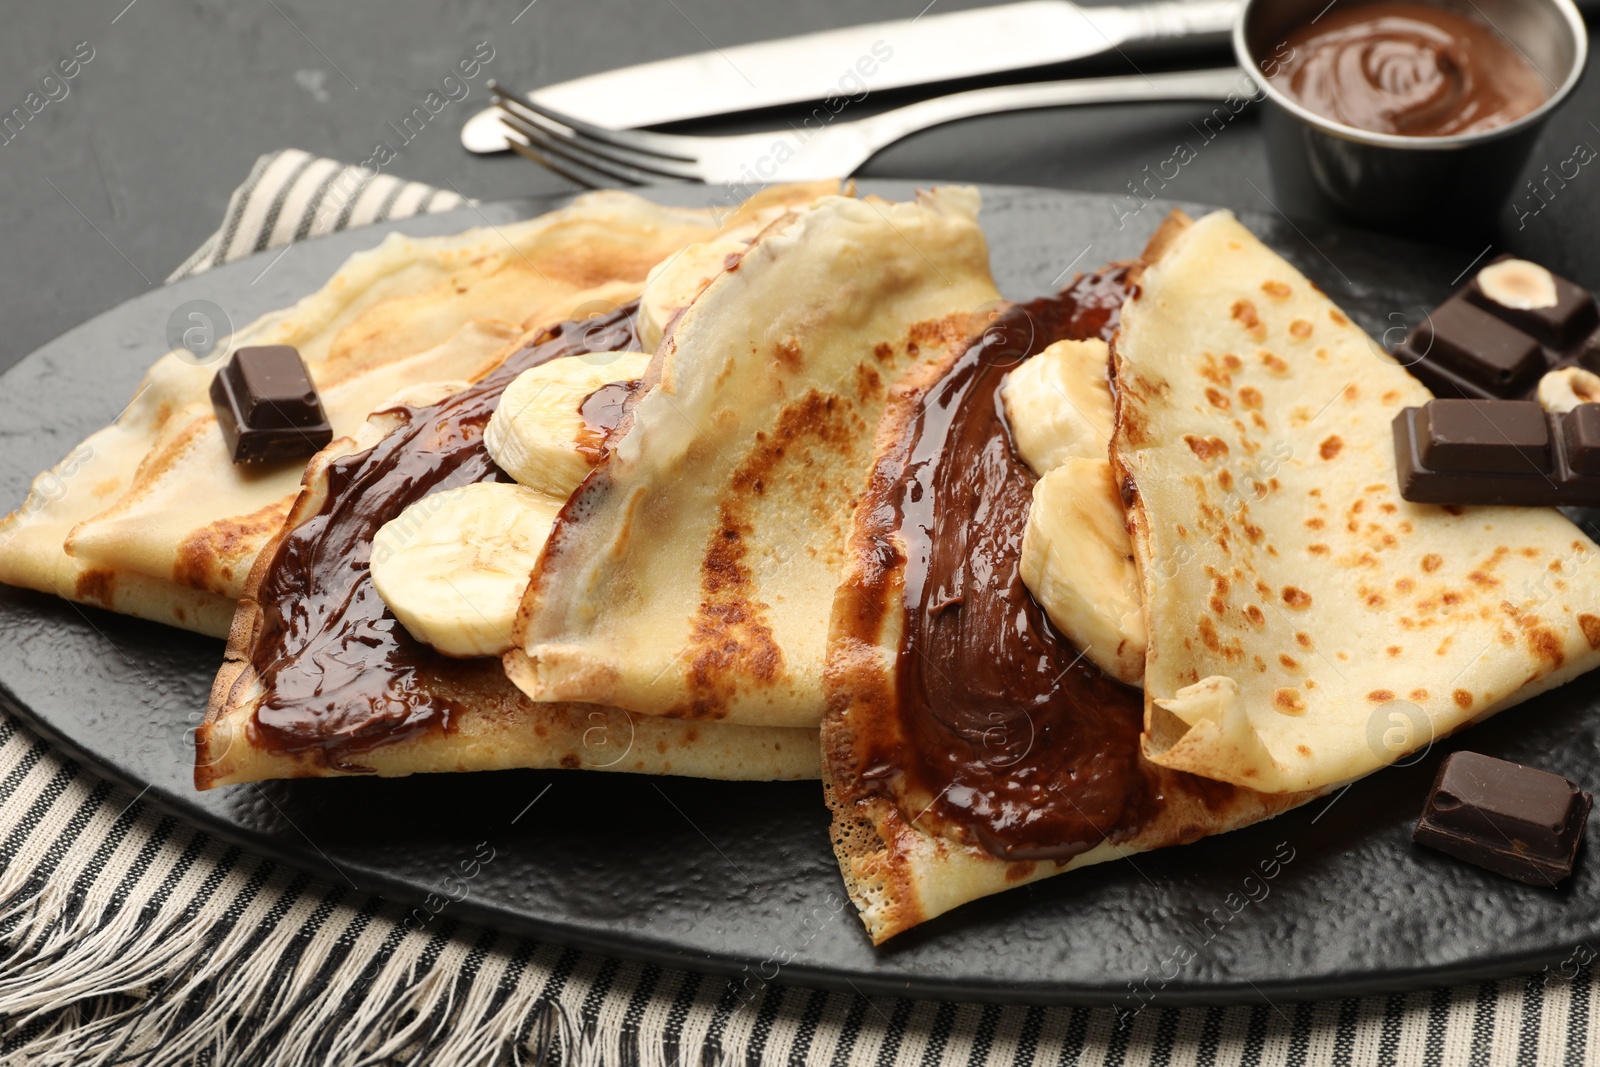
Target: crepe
<point>1319,626</point>
<point>148,516</point>
<point>930,553</point>
<point>691,575</point>
<point>434,713</point>
<point>320,676</point>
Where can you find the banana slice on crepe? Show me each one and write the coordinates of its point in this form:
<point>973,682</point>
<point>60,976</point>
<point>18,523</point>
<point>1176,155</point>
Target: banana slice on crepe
<point>675,282</point>
<point>1059,404</point>
<point>453,566</point>
<point>546,432</point>
<point>1077,560</point>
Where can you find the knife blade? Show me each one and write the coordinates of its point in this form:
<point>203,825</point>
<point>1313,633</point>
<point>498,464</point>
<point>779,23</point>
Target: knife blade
<point>848,62</point>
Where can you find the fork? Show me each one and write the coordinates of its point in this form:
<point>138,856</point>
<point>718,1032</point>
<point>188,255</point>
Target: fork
<point>594,156</point>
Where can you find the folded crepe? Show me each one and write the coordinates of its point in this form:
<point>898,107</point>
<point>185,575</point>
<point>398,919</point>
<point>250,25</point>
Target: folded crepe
<point>1305,624</point>
<point>320,676</point>
<point>327,673</point>
<point>149,517</point>
<point>692,573</point>
<point>969,746</point>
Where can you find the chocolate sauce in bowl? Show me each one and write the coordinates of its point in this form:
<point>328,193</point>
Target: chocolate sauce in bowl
<point>341,674</point>
<point>1407,68</point>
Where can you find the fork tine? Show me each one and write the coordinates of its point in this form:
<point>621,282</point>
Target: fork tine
<point>532,154</point>
<point>525,122</point>
<point>540,139</point>
<point>643,142</point>
<point>539,151</point>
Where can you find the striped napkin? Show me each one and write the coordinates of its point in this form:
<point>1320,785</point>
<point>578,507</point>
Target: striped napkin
<point>128,937</point>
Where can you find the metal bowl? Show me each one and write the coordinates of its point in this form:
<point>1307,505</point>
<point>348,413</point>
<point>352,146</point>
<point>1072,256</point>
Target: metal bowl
<point>1437,186</point>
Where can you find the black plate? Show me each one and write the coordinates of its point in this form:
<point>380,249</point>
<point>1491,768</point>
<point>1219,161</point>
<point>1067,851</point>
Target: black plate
<point>738,878</point>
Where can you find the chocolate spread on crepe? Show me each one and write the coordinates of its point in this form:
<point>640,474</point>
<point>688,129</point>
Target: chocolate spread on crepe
<point>338,668</point>
<point>967,749</point>
<point>320,679</point>
<point>1003,732</point>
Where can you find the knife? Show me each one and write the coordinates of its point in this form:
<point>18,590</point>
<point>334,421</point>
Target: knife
<point>859,59</point>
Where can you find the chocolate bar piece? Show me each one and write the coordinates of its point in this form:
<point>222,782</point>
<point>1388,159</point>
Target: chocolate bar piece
<point>1513,323</point>
<point>1517,821</point>
<point>1498,452</point>
<point>267,407</point>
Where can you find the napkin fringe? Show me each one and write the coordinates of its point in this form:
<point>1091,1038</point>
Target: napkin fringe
<point>87,981</point>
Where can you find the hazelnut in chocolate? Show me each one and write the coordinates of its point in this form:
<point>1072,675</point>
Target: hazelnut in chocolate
<point>1502,333</point>
<point>267,407</point>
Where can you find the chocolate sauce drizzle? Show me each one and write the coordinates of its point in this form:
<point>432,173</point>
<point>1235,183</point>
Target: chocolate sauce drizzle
<point>341,674</point>
<point>602,411</point>
<point>1001,733</point>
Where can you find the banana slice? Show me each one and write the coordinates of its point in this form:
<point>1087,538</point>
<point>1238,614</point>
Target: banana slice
<point>454,565</point>
<point>539,434</point>
<point>675,282</point>
<point>1059,404</point>
<point>1077,561</point>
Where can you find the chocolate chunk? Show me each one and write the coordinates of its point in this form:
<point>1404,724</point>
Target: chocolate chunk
<point>267,407</point>
<point>1583,438</point>
<point>1517,821</point>
<point>1571,317</point>
<point>1494,340</point>
<point>1498,452</point>
<point>1480,348</point>
<point>1486,435</point>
